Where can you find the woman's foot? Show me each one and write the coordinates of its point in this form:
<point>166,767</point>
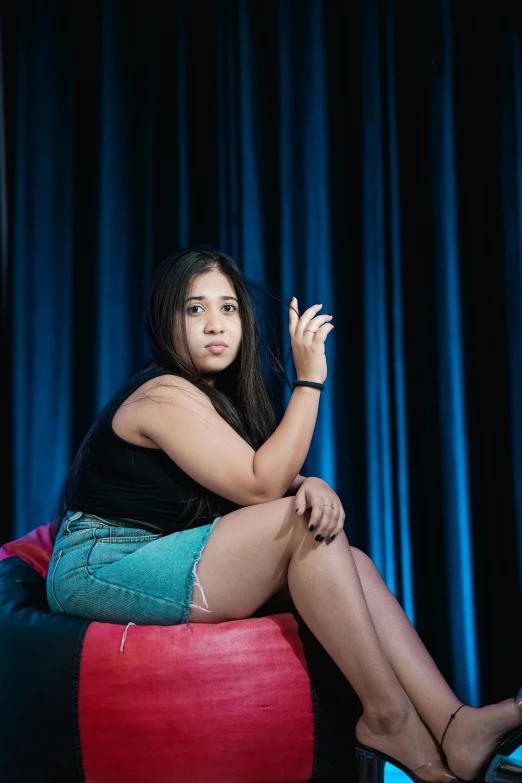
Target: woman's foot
<point>473,734</point>
<point>406,739</point>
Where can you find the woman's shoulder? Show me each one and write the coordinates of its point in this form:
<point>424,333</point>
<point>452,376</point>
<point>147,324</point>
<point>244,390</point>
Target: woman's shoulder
<point>165,386</point>
<point>164,379</point>
<point>172,388</point>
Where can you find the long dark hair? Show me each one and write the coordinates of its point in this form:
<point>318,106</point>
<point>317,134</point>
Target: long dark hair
<point>240,395</point>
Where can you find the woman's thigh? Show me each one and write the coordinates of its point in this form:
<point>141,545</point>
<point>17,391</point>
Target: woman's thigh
<point>245,559</point>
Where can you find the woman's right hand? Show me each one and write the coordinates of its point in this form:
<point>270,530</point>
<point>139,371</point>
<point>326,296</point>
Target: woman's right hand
<point>308,346</point>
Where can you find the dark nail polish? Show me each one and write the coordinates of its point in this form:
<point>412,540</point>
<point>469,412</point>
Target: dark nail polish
<point>332,537</point>
<point>319,538</point>
<point>311,527</point>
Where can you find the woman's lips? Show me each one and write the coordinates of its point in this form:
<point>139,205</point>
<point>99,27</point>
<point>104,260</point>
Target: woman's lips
<point>216,348</point>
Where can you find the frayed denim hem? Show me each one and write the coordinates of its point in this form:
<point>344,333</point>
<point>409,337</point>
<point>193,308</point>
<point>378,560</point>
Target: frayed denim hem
<point>194,578</point>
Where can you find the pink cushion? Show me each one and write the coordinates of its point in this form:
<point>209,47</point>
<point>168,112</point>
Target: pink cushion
<point>35,548</point>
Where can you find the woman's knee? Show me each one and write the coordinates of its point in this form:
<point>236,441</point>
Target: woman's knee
<point>361,559</point>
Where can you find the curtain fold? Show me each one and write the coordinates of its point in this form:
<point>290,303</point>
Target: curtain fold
<point>452,383</point>
<point>41,225</point>
<point>511,178</point>
<point>338,157</point>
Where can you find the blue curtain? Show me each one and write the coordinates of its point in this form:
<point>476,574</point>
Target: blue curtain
<point>511,178</point>
<point>365,155</point>
<point>452,384</point>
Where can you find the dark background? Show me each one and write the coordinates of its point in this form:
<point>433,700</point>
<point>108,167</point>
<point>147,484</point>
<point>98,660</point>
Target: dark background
<point>362,154</point>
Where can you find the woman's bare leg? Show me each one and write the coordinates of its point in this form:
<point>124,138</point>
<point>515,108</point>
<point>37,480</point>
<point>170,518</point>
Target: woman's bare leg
<point>429,692</point>
<point>328,594</point>
<point>257,551</point>
<point>474,731</point>
<point>472,734</point>
<point>250,556</point>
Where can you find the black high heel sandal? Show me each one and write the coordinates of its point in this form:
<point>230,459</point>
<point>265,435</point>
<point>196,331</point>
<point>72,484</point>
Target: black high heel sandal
<point>498,767</point>
<point>371,763</point>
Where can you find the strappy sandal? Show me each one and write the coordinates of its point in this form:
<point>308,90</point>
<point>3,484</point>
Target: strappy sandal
<point>498,767</point>
<point>371,764</point>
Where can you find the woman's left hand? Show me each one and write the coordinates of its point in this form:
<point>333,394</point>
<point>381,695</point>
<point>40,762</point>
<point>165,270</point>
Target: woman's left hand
<point>325,520</point>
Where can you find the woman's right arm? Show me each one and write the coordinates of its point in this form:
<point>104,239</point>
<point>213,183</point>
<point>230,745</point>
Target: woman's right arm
<point>181,420</point>
<point>282,456</point>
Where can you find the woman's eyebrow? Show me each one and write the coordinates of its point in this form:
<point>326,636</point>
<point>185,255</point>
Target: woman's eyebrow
<point>204,297</point>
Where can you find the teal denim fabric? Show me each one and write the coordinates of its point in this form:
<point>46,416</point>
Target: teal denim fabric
<point>111,571</point>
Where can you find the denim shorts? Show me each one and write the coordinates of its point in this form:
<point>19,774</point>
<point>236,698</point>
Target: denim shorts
<point>111,571</point>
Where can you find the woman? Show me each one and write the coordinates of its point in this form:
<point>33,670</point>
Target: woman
<point>186,468</point>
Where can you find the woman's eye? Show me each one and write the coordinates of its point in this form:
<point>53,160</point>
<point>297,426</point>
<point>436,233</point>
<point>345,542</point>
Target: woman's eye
<point>191,308</point>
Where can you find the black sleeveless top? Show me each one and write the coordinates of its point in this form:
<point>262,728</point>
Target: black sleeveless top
<point>124,481</point>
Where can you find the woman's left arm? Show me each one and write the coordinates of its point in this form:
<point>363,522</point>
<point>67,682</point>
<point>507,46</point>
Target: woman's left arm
<point>294,486</point>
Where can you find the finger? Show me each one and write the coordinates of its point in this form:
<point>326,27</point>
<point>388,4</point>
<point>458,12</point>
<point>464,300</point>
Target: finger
<point>300,503</point>
<point>293,316</point>
<point>322,333</point>
<point>314,519</point>
<point>305,319</point>
<point>313,326</point>
<point>324,523</point>
<point>339,528</point>
<point>334,522</point>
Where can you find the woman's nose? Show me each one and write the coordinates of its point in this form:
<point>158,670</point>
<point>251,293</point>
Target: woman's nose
<point>214,325</point>
<point>214,321</point>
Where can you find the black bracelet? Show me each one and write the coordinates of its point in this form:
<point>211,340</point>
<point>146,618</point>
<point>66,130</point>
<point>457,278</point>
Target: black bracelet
<point>319,386</point>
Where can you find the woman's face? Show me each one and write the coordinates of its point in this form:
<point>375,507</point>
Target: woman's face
<point>212,314</point>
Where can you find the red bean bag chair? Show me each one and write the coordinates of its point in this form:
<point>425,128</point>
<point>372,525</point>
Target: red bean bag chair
<point>248,701</point>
